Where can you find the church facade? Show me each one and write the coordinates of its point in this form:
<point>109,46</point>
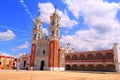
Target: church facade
<point>44,53</point>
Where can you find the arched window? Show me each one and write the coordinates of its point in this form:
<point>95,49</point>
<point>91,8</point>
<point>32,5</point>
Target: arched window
<point>57,33</point>
<point>52,22</point>
<point>67,57</point>
<point>0,63</point>
<point>58,21</point>
<point>52,32</point>
<point>43,52</point>
<point>74,57</point>
<point>109,56</point>
<point>90,57</point>
<point>40,27</point>
<point>34,36</point>
<point>99,56</point>
<point>82,57</point>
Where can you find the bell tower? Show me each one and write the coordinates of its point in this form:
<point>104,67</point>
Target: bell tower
<point>36,35</point>
<point>37,31</point>
<point>54,41</point>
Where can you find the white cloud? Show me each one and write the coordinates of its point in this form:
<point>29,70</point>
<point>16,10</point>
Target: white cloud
<point>20,54</point>
<point>4,54</point>
<point>67,22</point>
<point>7,36</point>
<point>90,40</point>
<point>23,46</point>
<point>45,31</point>
<point>96,13</point>
<point>21,0</point>
<point>100,16</point>
<point>47,9</point>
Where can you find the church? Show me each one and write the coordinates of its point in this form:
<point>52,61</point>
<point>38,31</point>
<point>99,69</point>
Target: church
<point>45,49</point>
<point>46,53</point>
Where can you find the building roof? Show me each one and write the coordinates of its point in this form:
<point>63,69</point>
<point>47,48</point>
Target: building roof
<point>92,52</point>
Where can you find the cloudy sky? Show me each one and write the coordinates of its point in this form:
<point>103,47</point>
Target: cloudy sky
<point>86,24</point>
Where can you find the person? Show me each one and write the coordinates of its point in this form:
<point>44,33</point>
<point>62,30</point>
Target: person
<point>18,65</point>
<point>18,68</point>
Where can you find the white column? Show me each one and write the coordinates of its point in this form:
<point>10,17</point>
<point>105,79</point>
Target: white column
<point>28,61</point>
<point>116,56</point>
<point>61,68</point>
<point>56,68</point>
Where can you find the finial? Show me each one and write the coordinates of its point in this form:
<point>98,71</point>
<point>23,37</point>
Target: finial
<point>55,7</point>
<point>68,43</point>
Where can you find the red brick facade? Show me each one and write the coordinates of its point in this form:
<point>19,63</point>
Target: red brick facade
<point>53,54</point>
<point>102,60</point>
<point>32,57</point>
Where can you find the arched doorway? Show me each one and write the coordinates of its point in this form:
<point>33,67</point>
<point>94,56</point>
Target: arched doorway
<point>74,67</point>
<point>100,67</point>
<point>24,64</point>
<point>110,67</point>
<point>67,67</point>
<point>90,67</point>
<point>82,68</point>
<point>42,64</point>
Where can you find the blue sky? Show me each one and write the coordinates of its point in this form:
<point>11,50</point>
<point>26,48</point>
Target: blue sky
<point>86,24</point>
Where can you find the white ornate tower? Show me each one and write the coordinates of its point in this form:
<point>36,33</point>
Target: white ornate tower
<point>68,48</point>
<point>40,46</point>
<point>36,35</point>
<point>54,40</point>
<point>37,31</point>
<point>116,49</point>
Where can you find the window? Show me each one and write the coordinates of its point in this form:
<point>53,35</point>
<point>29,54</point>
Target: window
<point>24,64</point>
<point>40,27</point>
<point>109,56</point>
<point>82,57</point>
<point>67,57</point>
<point>57,33</point>
<point>74,57</point>
<point>99,56</point>
<point>34,37</point>
<point>52,32</point>
<point>90,57</point>
<point>43,52</point>
<point>0,63</point>
<point>14,64</point>
<point>52,22</point>
<point>57,21</point>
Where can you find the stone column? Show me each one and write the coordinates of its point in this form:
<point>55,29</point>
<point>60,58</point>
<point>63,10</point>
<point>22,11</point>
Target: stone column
<point>116,57</point>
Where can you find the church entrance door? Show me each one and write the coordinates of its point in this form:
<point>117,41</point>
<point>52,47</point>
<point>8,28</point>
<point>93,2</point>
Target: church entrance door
<point>24,64</point>
<point>42,65</point>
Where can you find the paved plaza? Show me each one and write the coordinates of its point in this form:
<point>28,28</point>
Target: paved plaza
<point>56,75</point>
